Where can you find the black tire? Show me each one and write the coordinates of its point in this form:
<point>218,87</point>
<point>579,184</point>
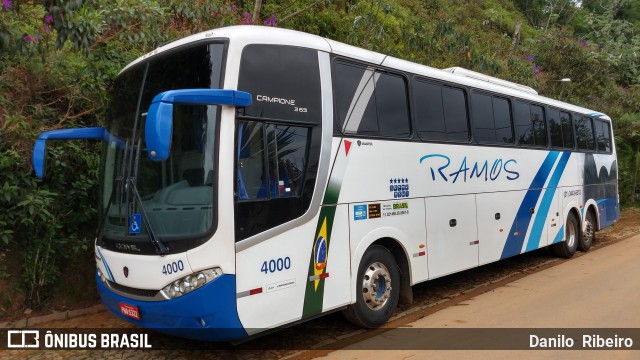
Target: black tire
<point>378,289</point>
<point>589,234</point>
<point>568,247</point>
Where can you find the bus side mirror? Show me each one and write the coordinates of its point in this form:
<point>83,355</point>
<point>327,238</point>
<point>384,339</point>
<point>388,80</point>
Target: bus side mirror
<point>40,147</point>
<point>159,124</point>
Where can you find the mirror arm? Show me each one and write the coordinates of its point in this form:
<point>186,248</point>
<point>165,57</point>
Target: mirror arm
<point>40,147</point>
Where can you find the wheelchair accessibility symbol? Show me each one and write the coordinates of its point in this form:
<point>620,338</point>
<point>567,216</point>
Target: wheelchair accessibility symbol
<point>134,224</point>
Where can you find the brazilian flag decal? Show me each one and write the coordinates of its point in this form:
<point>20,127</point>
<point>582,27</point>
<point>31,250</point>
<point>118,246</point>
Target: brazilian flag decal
<point>314,292</point>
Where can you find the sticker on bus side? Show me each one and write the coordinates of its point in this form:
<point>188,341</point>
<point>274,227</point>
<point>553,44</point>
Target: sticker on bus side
<point>359,212</point>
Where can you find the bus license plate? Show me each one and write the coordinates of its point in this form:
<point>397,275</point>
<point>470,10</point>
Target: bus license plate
<point>129,311</point>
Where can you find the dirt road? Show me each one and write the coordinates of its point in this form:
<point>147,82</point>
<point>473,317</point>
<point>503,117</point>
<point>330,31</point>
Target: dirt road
<point>598,290</point>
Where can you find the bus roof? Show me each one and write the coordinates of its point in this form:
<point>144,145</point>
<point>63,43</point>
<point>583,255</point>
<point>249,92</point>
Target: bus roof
<point>251,34</point>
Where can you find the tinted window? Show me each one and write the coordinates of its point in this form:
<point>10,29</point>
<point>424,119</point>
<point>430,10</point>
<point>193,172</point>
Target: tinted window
<point>455,113</point>
<point>349,81</point>
<point>391,102</point>
<point>567,130</point>
<point>584,134</point>
<point>502,116</point>
<point>524,128</point>
<point>555,128</point>
<point>539,125</point>
<point>603,136</point>
<point>434,120</point>
<point>492,119</point>
<point>369,102</point>
<point>429,111</point>
<point>530,124</point>
<point>482,110</point>
<point>284,82</point>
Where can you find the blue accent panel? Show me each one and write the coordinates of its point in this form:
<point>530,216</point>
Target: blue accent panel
<point>559,236</point>
<point>215,302</point>
<point>40,147</point>
<point>513,246</point>
<point>106,266</point>
<point>609,211</point>
<point>545,204</point>
<point>159,123</point>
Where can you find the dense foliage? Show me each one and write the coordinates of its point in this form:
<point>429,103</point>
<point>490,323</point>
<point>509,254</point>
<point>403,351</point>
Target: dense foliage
<point>58,58</point>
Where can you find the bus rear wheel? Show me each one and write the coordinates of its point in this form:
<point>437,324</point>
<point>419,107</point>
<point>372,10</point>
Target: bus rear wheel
<point>589,234</point>
<point>568,247</point>
<point>378,289</point>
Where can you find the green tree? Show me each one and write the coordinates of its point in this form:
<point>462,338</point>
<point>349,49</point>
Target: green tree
<point>628,130</point>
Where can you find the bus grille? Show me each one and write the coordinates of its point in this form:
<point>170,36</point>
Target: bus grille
<point>133,291</point>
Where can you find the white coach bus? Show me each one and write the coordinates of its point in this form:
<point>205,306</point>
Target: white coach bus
<point>254,177</point>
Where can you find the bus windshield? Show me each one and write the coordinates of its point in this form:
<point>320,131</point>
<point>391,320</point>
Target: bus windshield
<point>174,198</point>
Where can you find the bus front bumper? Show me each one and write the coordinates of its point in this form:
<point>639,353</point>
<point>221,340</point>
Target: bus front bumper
<point>208,313</point>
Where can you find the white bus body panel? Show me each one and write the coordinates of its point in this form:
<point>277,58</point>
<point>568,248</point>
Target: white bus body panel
<point>282,292</point>
<point>451,234</point>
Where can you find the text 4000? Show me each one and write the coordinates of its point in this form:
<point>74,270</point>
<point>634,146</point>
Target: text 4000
<point>173,267</point>
<point>274,265</point>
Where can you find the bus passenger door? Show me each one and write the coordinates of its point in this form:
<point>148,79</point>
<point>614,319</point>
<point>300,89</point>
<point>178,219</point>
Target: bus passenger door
<point>452,242</point>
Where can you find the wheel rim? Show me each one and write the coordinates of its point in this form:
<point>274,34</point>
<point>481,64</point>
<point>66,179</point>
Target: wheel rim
<point>571,234</point>
<point>588,231</point>
<point>376,286</point>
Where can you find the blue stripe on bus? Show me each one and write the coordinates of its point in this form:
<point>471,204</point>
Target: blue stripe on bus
<point>559,236</point>
<point>545,204</point>
<point>513,246</point>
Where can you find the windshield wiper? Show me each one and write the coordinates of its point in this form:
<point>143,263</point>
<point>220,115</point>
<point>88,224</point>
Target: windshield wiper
<point>161,249</point>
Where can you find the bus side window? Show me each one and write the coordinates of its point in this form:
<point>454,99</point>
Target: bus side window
<point>491,119</point>
<point>584,134</point>
<point>603,136</point>
<point>567,130</point>
<point>555,128</point>
<point>530,124</point>
<point>370,102</point>
<point>440,112</point>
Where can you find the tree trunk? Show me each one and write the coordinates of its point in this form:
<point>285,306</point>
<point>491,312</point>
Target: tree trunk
<point>256,11</point>
<point>634,182</point>
<point>514,42</point>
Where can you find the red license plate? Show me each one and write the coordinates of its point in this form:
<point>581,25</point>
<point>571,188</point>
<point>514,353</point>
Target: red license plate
<point>130,311</point>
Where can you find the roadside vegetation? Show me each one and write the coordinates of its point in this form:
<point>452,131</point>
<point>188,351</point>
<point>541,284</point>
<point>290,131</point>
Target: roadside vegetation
<point>59,57</point>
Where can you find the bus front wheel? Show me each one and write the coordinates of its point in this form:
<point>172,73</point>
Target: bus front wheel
<point>568,247</point>
<point>378,289</point>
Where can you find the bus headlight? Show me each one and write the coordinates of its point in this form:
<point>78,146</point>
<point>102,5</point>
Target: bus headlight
<point>190,282</point>
<point>102,277</point>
